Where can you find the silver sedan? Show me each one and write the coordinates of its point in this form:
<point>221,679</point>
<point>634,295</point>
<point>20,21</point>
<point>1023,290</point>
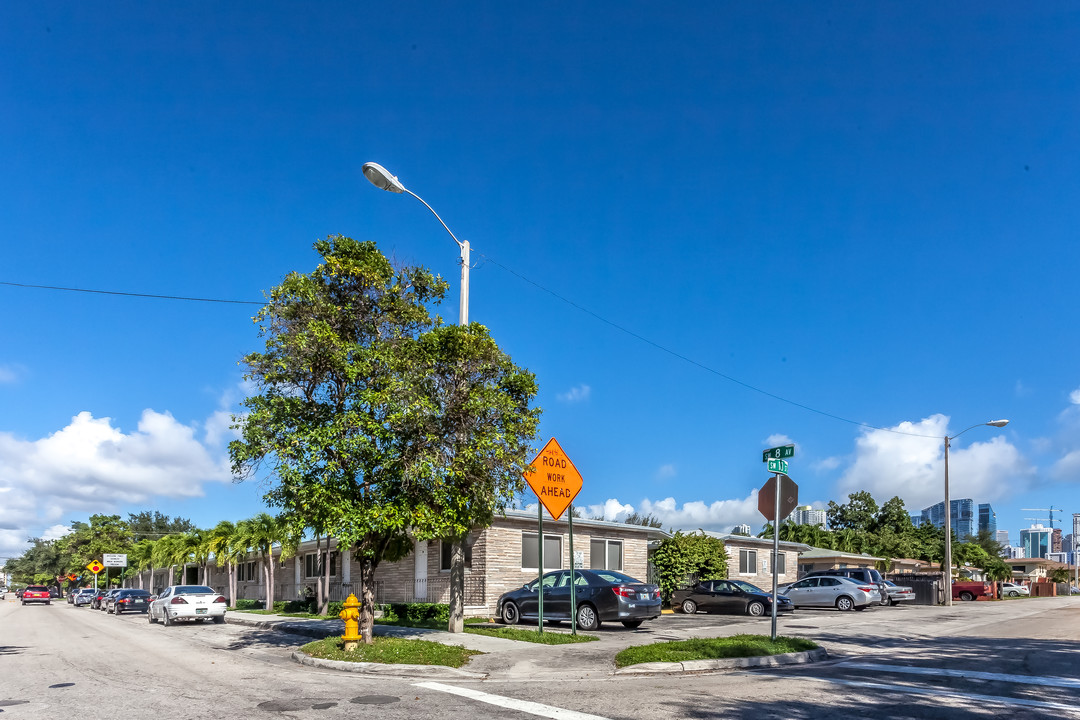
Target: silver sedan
<point>827,591</point>
<point>187,602</point>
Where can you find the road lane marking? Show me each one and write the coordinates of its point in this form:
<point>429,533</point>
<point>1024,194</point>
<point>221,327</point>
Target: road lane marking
<point>525,706</point>
<point>942,693</point>
<point>1061,682</point>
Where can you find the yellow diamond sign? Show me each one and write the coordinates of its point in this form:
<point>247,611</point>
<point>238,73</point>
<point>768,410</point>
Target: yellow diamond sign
<point>555,480</point>
<point>95,567</point>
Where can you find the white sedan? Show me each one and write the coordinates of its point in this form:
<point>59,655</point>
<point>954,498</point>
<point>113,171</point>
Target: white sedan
<point>187,602</point>
<point>1009,589</point>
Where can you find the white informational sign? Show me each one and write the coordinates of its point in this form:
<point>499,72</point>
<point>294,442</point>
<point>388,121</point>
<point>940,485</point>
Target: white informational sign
<point>579,559</point>
<point>114,560</point>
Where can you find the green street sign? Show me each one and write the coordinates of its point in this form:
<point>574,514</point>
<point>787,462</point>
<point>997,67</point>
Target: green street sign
<point>777,466</point>
<point>778,453</point>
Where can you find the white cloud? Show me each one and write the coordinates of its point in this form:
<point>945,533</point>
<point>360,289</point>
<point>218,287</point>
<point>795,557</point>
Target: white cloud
<point>92,466</point>
<point>8,374</point>
<point>56,532</point>
<point>1074,397</point>
<point>829,463</point>
<point>888,464</point>
<point>719,515</point>
<point>611,510</point>
<point>665,472</point>
<point>574,395</point>
<point>1067,468</point>
<point>777,440</point>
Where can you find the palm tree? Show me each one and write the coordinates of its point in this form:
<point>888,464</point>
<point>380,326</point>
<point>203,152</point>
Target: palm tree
<point>260,533</point>
<point>197,549</point>
<point>226,546</point>
<point>165,553</point>
<point>142,558</point>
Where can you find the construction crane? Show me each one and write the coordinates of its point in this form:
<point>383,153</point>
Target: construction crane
<point>1050,510</point>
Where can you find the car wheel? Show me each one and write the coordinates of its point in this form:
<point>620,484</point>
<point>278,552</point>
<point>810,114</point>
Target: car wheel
<point>587,619</point>
<point>1014,594</point>
<point>844,603</point>
<point>150,617</point>
<point>966,596</point>
<point>219,619</point>
<point>510,614</point>
<point>631,623</point>
<point>48,602</point>
<point>756,608</point>
<point>689,607</point>
<point>165,619</point>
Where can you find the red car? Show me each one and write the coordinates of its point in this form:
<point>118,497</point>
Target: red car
<point>36,593</point>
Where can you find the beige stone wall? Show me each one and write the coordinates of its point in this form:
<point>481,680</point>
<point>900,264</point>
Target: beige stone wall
<point>762,577</point>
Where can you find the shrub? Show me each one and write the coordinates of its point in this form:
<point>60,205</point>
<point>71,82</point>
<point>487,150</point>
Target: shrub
<point>335,608</point>
<point>421,612</point>
<point>297,606</point>
<point>246,604</point>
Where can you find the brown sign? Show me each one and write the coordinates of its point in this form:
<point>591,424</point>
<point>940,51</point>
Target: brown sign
<point>766,497</point>
<point>555,480</point>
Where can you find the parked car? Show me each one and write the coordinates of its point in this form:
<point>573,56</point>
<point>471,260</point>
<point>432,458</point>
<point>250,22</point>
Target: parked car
<point>103,603</point>
<point>969,590</point>
<point>602,596</point>
<point>843,593</point>
<point>187,602</point>
<point>97,603</point>
<point>36,593</point>
<point>83,596</point>
<point>898,593</point>
<point>864,575</point>
<point>130,600</point>
<point>54,592</point>
<point>1010,589</point>
<point>70,596</point>
<point>728,596</point>
<point>19,593</point>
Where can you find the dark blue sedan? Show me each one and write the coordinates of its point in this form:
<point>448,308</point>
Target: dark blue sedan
<point>602,596</point>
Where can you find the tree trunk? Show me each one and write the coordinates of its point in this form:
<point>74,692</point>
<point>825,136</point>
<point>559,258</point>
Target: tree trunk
<point>266,584</point>
<point>318,580</point>
<point>172,574</point>
<point>457,586</point>
<point>270,587</point>
<point>232,583</point>
<point>324,601</point>
<point>367,601</point>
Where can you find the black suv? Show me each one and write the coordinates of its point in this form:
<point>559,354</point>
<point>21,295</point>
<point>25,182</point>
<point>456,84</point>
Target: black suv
<point>863,575</point>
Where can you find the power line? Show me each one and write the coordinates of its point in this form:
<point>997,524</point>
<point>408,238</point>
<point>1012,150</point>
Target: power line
<point>557,296</point>
<point>132,294</point>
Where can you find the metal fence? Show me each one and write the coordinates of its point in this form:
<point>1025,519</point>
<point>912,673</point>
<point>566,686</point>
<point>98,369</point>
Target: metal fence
<point>436,590</point>
<point>929,587</point>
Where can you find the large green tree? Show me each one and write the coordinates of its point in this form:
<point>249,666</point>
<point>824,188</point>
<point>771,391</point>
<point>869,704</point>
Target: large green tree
<point>688,555</point>
<point>378,421</point>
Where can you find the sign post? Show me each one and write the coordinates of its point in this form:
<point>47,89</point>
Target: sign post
<point>95,567</point>
<point>556,483</point>
<point>776,499</point>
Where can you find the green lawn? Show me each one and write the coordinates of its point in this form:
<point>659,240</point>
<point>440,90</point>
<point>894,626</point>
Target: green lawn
<point>735,646</point>
<point>392,650</point>
<point>512,633</point>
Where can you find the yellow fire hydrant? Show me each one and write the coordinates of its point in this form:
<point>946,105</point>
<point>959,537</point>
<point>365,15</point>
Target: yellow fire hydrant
<point>351,616</point>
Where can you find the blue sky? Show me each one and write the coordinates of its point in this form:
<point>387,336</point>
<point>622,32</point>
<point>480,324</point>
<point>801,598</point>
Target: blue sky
<point>866,210</point>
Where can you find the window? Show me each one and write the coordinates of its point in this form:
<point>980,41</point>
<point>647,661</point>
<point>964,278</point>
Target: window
<point>605,554</point>
<point>530,552</point>
<point>747,562</point>
<point>245,572</point>
<point>314,568</point>
<point>780,564</point>
<point>446,554</point>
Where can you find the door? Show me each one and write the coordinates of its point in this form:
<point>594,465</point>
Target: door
<point>727,598</point>
<point>530,602</point>
<point>420,549</point>
<point>557,600</point>
<point>801,593</point>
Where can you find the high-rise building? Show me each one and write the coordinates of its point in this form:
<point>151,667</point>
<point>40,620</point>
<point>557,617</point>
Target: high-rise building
<point>807,515</point>
<point>1002,536</point>
<point>916,520</point>
<point>987,519</point>
<point>743,529</point>
<point>962,516</point>
<point>1035,541</point>
<point>1055,540</point>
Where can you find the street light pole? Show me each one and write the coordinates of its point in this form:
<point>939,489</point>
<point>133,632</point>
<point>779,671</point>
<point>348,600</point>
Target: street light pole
<point>381,178</point>
<point>948,508</point>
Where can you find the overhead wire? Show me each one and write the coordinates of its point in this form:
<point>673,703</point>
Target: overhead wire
<point>549,291</point>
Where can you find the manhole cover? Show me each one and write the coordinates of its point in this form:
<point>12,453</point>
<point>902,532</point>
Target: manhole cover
<point>374,700</point>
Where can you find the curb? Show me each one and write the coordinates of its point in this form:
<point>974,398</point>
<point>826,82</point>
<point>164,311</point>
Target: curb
<point>294,628</point>
<point>367,668</point>
<point>697,666</point>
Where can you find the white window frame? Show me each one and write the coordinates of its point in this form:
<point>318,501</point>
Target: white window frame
<point>312,559</point>
<point>780,562</point>
<point>607,543</point>
<point>444,547</point>
<point>749,562</point>
<point>547,536</point>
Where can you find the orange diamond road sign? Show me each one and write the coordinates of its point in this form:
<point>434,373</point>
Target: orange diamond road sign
<point>555,480</point>
<point>95,567</point>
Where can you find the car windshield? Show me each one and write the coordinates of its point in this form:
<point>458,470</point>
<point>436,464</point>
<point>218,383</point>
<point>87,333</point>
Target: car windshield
<point>193,590</point>
<point>875,576</point>
<point>746,587</point>
<point>36,588</point>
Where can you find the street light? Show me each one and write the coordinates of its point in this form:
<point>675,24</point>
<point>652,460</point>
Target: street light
<point>381,178</point>
<point>948,508</point>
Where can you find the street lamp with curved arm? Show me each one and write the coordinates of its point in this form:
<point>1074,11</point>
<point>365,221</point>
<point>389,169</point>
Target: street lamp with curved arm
<point>381,178</point>
<point>948,507</point>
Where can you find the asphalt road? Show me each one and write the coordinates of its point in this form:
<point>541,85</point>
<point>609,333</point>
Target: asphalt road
<point>1019,658</point>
